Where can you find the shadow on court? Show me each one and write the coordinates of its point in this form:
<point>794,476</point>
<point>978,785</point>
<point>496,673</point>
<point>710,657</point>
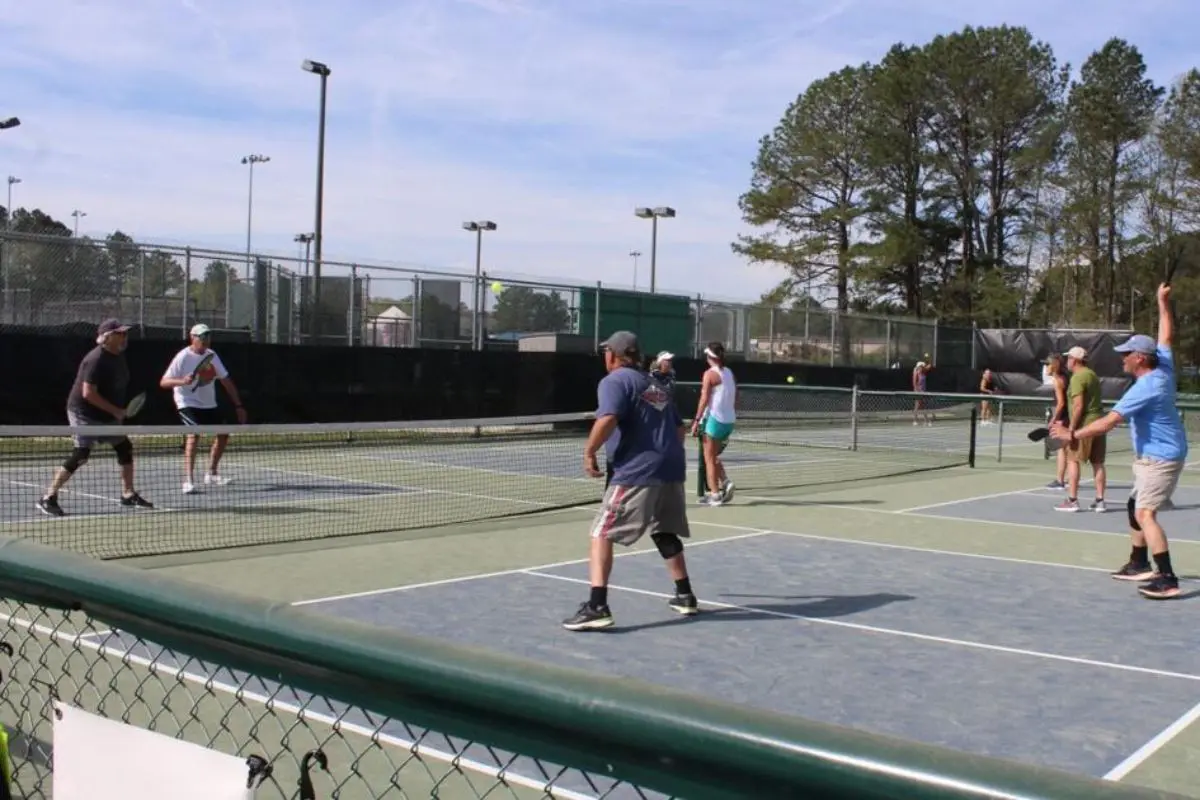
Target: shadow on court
<point>815,607</point>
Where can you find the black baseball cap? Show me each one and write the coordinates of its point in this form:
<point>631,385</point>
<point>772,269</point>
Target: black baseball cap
<point>623,343</point>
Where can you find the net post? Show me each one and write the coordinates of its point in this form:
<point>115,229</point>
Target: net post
<point>999,431</point>
<point>974,427</point>
<point>854,417</point>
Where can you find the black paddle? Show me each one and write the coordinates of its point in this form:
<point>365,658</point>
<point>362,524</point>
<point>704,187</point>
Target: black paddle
<point>1039,434</point>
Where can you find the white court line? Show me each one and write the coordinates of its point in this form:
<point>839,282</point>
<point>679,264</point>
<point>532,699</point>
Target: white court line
<point>1087,662</point>
<point>969,499</point>
<point>1151,747</point>
<point>302,713</point>
<point>891,546</point>
<point>504,572</point>
<point>973,520</point>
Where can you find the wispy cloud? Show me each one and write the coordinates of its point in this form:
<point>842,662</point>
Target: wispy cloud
<point>554,118</point>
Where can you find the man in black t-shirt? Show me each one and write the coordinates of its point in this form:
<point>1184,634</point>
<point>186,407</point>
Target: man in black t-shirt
<point>98,397</point>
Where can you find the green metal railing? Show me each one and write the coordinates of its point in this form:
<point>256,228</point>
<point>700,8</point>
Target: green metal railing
<point>399,716</point>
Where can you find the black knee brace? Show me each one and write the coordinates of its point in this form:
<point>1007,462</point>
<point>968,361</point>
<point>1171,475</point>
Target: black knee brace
<point>1130,506</point>
<point>668,544</point>
<point>124,451</point>
<point>77,459</point>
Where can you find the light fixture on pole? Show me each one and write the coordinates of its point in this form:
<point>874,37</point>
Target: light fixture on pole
<point>322,71</point>
<point>653,214</point>
<point>635,255</point>
<point>249,160</point>
<point>306,240</point>
<point>477,305</point>
<point>77,214</point>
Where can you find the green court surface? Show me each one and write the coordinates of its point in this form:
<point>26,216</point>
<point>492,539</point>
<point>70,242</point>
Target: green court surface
<point>996,513</point>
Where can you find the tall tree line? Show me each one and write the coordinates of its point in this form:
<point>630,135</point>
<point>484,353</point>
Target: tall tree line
<point>973,179</point>
<point>48,266</point>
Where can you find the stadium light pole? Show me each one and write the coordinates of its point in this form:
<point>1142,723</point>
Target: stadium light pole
<point>8,223</point>
<point>11,122</point>
<point>322,71</point>
<point>478,228</point>
<point>249,160</point>
<point>635,255</point>
<point>77,214</point>
<point>653,214</point>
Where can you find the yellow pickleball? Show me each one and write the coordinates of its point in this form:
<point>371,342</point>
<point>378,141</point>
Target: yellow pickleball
<point>790,379</point>
<point>497,287</point>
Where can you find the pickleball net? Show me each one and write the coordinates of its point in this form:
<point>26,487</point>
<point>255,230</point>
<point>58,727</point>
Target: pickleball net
<point>291,483</point>
<point>791,437</point>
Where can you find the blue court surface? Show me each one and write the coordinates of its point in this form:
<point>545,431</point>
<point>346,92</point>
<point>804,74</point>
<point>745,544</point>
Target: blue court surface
<point>1036,507</point>
<point>987,655</point>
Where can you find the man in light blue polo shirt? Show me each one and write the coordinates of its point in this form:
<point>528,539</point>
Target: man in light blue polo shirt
<point>1160,450</point>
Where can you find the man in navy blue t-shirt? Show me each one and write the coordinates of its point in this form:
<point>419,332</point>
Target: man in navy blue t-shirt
<point>643,436</point>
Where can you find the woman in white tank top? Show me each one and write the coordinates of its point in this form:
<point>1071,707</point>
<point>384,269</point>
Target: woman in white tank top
<point>717,413</point>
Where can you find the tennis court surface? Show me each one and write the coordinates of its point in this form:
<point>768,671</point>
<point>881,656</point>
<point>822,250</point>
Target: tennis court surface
<point>865,575</point>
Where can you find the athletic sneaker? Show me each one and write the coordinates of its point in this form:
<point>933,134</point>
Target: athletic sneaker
<point>727,491</point>
<point>1133,571</point>
<point>1068,505</point>
<point>1098,506</point>
<point>189,487</point>
<point>589,619</point>
<point>216,480</point>
<point>685,604</point>
<point>712,499</point>
<point>1056,485</point>
<point>1163,587</point>
<point>50,507</point>
<point>135,500</point>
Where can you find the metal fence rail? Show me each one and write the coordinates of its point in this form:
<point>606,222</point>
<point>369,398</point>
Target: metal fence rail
<point>51,281</point>
<point>398,716</point>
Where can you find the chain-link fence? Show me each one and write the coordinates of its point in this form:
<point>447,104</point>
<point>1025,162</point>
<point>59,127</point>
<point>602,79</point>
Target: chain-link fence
<point>71,658</point>
<point>52,282</point>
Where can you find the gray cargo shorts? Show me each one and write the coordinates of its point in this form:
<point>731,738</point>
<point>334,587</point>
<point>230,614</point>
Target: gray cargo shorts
<point>631,512</point>
<point>76,421</point>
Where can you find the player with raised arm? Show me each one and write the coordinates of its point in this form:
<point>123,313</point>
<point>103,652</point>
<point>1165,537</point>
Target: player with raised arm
<point>97,397</point>
<point>1160,450</point>
<point>715,417</point>
<point>190,376</point>
<point>920,376</point>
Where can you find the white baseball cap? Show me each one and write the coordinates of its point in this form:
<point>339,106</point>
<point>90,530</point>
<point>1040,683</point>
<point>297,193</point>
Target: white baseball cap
<point>665,355</point>
<point>1077,353</point>
<point>200,330</point>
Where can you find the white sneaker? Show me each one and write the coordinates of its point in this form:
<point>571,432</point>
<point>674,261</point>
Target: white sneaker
<point>216,480</point>
<point>189,487</point>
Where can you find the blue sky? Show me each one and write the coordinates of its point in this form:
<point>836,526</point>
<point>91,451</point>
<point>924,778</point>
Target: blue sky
<point>555,118</point>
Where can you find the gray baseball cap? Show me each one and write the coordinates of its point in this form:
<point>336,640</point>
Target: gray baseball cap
<point>622,343</point>
<point>1138,343</point>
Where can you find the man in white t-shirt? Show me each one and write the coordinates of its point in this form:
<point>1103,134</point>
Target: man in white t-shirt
<point>196,399</point>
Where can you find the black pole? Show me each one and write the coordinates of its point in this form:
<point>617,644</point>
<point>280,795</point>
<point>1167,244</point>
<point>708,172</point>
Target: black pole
<point>317,238</point>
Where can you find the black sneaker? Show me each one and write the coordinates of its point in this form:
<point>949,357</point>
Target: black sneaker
<point>50,507</point>
<point>1163,587</point>
<point>1134,572</point>
<point>685,604</point>
<point>135,500</point>
<point>589,619</point>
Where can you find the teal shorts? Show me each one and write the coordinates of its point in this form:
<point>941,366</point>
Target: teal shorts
<point>717,431</point>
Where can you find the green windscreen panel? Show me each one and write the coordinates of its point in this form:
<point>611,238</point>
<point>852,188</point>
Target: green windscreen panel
<point>661,321</point>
